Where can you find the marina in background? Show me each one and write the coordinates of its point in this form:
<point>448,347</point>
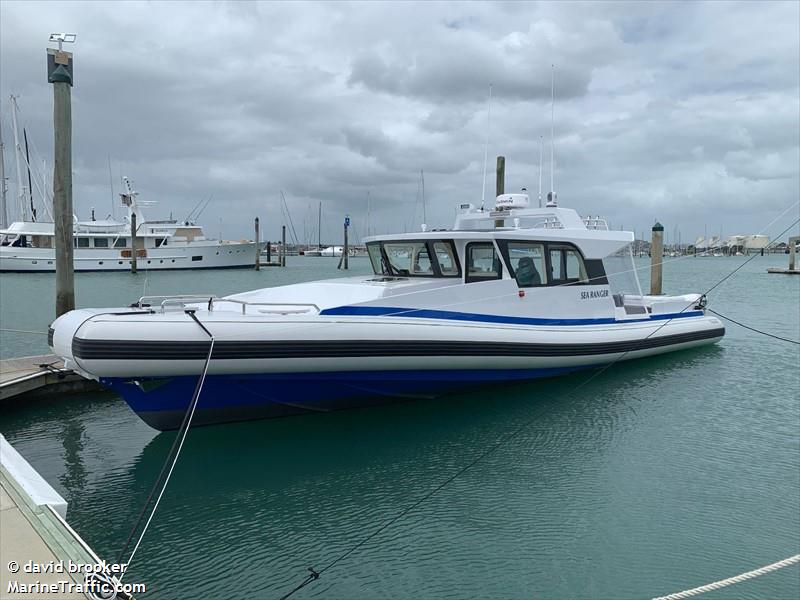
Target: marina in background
<point>378,346</point>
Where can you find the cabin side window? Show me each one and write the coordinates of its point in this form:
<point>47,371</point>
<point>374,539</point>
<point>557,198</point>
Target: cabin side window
<point>483,262</point>
<point>81,242</point>
<point>526,262</point>
<point>446,257</point>
<point>566,265</point>
<point>542,263</point>
<point>42,241</point>
<point>101,242</point>
<point>120,243</point>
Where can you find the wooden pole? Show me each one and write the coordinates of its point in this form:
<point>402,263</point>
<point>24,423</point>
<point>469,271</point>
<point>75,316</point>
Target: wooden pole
<point>656,259</point>
<point>258,247</point>
<point>500,182</point>
<point>792,250</point>
<point>62,195</point>
<point>269,252</point>
<point>134,242</point>
<point>283,245</point>
<point>346,249</point>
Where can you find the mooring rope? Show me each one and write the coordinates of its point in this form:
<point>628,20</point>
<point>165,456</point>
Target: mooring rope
<point>314,574</point>
<point>772,335</point>
<point>731,580</point>
<point>179,440</point>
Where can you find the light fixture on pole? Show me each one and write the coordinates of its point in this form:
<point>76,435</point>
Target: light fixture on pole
<point>63,38</point>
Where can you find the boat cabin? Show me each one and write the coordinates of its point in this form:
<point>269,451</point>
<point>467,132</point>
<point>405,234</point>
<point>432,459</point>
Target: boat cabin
<point>541,247</point>
<point>540,250</point>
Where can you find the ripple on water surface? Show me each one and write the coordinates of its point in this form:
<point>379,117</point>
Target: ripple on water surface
<point>656,476</point>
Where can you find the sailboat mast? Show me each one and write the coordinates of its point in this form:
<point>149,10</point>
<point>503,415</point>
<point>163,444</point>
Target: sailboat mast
<point>369,213</point>
<point>552,133</point>
<point>422,181</point>
<point>17,149</point>
<point>28,166</point>
<point>3,205</point>
<point>319,227</point>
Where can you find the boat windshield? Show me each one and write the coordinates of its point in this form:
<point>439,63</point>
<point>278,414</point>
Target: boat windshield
<point>407,258</point>
<point>620,269</point>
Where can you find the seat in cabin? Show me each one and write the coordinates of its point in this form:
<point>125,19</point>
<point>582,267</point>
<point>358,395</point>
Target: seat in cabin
<point>526,273</point>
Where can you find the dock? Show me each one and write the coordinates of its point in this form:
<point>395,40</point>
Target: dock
<point>36,534</point>
<point>31,373</point>
<point>783,271</point>
<point>792,270</point>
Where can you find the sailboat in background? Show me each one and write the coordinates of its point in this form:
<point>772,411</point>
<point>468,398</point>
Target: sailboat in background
<point>318,250</point>
<point>27,245</point>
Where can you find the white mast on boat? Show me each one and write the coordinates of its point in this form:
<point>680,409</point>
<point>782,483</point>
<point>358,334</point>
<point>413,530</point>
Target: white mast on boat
<point>3,187</point>
<point>424,213</point>
<point>551,197</point>
<point>22,192</point>
<point>486,146</point>
<point>541,141</point>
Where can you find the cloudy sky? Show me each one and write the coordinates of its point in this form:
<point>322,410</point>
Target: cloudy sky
<point>684,112</point>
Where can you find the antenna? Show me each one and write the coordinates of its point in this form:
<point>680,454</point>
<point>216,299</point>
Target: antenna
<point>422,181</point>
<point>541,141</point>
<point>486,146</point>
<point>551,197</point>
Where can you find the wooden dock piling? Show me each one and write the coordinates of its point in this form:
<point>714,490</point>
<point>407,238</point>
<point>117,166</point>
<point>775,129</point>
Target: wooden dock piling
<point>258,247</point>
<point>59,73</point>
<point>656,260</point>
<point>500,184</point>
<point>500,176</point>
<point>283,245</point>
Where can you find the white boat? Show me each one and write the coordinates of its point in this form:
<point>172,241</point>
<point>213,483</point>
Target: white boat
<point>515,293</point>
<point>332,251</point>
<point>105,245</point>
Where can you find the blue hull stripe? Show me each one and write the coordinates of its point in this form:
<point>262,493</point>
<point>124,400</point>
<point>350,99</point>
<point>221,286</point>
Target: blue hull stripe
<point>414,313</point>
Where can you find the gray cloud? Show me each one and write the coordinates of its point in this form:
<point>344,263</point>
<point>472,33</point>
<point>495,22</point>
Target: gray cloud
<point>685,112</point>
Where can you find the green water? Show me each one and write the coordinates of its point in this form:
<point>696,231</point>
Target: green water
<point>659,475</point>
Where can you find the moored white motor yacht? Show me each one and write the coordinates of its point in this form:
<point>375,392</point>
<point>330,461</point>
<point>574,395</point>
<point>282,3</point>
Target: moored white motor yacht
<point>515,293</point>
<point>106,245</point>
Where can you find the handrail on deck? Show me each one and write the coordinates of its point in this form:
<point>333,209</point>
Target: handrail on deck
<point>167,301</point>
